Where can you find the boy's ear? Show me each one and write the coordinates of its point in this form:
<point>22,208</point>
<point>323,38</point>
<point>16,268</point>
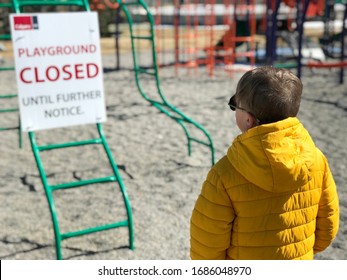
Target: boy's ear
<point>251,121</point>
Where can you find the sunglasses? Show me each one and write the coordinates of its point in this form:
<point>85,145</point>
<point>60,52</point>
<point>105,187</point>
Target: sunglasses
<point>233,107</point>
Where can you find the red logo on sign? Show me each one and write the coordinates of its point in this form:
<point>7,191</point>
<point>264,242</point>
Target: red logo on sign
<point>23,23</point>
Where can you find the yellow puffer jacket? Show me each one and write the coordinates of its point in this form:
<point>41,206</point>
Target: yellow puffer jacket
<point>271,197</point>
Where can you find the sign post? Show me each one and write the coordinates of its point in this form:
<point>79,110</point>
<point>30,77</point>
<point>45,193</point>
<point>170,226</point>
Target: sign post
<point>58,69</point>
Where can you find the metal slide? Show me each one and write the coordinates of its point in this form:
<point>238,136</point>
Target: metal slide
<point>160,102</point>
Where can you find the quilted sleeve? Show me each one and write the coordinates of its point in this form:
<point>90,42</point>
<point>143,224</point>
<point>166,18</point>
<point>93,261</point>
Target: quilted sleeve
<point>211,221</point>
<point>328,213</point>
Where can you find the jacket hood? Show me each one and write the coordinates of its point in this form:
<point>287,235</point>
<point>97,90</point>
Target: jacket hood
<point>277,157</point>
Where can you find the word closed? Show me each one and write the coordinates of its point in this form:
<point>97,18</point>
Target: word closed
<point>52,73</point>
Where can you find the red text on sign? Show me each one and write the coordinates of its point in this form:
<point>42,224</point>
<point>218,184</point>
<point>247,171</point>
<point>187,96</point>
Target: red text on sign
<point>54,73</point>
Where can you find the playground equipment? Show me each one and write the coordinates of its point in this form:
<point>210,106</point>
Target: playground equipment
<point>208,32</point>
<point>242,31</point>
<point>311,16</point>
<point>151,71</point>
<point>196,25</point>
<point>6,108</point>
<point>19,5</point>
<point>328,40</point>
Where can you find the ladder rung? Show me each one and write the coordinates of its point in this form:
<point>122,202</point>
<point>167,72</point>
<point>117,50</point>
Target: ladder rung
<point>8,128</point>
<point>83,183</point>
<point>8,110</point>
<point>142,37</point>
<point>69,144</point>
<point>50,3</point>
<point>6,5</point>
<point>8,96</point>
<point>145,71</point>
<point>199,141</point>
<point>6,68</point>
<point>94,229</point>
<point>5,37</point>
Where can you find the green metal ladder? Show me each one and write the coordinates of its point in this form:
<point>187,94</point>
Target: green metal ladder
<point>100,140</point>
<point>7,96</point>
<point>161,103</point>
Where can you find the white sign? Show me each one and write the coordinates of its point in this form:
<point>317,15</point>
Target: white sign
<point>58,69</point>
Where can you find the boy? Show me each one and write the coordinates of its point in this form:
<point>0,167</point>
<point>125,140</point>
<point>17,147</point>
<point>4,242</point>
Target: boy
<point>273,195</point>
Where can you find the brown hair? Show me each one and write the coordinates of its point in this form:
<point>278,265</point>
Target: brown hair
<point>270,94</point>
